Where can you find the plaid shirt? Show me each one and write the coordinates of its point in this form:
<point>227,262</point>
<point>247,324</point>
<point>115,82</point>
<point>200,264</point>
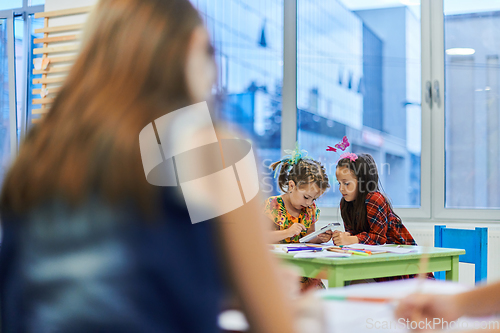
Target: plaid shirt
<point>385,228</point>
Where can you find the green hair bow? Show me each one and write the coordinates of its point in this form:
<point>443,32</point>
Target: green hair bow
<point>293,157</point>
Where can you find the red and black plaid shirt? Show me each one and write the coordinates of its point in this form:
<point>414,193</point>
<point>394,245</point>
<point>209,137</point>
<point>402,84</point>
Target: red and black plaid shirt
<point>385,228</point>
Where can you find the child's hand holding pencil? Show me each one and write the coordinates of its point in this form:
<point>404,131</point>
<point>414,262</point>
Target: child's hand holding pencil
<point>295,229</point>
<point>418,307</point>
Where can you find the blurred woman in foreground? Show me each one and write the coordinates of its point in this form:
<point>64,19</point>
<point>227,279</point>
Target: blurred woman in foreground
<point>88,244</point>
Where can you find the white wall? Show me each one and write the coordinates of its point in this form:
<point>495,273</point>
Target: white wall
<point>51,5</point>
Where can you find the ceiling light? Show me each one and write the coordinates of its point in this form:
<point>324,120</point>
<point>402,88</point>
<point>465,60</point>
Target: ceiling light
<point>410,2</point>
<point>460,51</point>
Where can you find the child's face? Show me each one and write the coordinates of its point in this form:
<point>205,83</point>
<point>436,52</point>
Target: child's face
<point>303,196</point>
<point>348,184</point>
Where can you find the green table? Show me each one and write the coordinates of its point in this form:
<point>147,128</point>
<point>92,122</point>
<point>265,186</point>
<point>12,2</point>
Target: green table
<point>339,270</point>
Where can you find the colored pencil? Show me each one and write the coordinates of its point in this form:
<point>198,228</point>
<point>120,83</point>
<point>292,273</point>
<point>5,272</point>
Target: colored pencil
<point>359,299</point>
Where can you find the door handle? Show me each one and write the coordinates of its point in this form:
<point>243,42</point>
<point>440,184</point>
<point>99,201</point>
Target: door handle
<point>428,93</point>
<point>436,94</point>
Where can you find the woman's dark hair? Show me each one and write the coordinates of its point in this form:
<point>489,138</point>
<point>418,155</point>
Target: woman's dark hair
<point>365,170</point>
<point>305,171</point>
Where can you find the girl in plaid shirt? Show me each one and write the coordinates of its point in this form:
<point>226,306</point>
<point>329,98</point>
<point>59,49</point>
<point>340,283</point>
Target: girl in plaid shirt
<point>367,213</point>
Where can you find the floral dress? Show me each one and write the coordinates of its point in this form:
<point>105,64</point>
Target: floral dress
<point>275,209</point>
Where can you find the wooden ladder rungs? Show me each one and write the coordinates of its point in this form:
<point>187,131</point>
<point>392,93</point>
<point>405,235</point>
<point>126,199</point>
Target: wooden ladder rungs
<point>61,59</point>
<point>55,39</point>
<point>42,101</point>
<point>61,69</point>
<point>40,111</point>
<point>51,90</point>
<point>65,48</point>
<point>70,27</point>
<point>49,80</point>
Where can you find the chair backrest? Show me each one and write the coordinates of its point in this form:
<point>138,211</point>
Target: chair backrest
<point>474,242</point>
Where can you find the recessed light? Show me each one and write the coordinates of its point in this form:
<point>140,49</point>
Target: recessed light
<point>410,2</point>
<point>460,51</point>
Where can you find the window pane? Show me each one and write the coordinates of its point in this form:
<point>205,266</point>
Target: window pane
<point>248,40</point>
<point>472,108</point>
<point>9,4</point>
<point>359,75</point>
<point>37,2</point>
<point>5,151</point>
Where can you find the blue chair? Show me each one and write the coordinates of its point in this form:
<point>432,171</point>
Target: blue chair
<point>474,242</point>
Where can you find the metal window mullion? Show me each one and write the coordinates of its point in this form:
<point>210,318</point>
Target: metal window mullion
<point>438,111</point>
<point>34,9</point>
<point>424,212</point>
<point>12,84</point>
<point>27,59</point>
<point>289,91</point>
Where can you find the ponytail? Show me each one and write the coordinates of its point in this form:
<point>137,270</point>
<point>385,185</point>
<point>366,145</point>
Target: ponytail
<point>281,167</point>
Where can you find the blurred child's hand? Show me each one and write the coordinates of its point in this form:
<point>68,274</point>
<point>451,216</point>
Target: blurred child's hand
<point>309,314</point>
<point>296,229</point>
<point>325,237</point>
<point>343,238</point>
<point>290,279</point>
<point>417,307</point>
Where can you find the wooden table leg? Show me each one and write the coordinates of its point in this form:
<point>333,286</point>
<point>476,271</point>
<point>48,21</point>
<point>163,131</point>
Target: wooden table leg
<point>452,274</point>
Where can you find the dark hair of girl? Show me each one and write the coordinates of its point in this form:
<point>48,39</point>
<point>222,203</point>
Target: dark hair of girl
<point>354,213</point>
<point>305,171</point>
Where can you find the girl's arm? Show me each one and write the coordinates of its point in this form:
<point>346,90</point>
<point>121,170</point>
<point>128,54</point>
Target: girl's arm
<point>344,238</point>
<point>279,235</point>
<point>276,236</point>
<point>483,301</point>
<point>377,212</point>
<point>322,238</point>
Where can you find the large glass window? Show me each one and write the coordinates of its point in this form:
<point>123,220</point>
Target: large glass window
<point>472,108</point>
<point>359,75</point>
<point>16,44</point>
<point>9,4</point>
<point>248,40</point>
<point>37,2</point>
